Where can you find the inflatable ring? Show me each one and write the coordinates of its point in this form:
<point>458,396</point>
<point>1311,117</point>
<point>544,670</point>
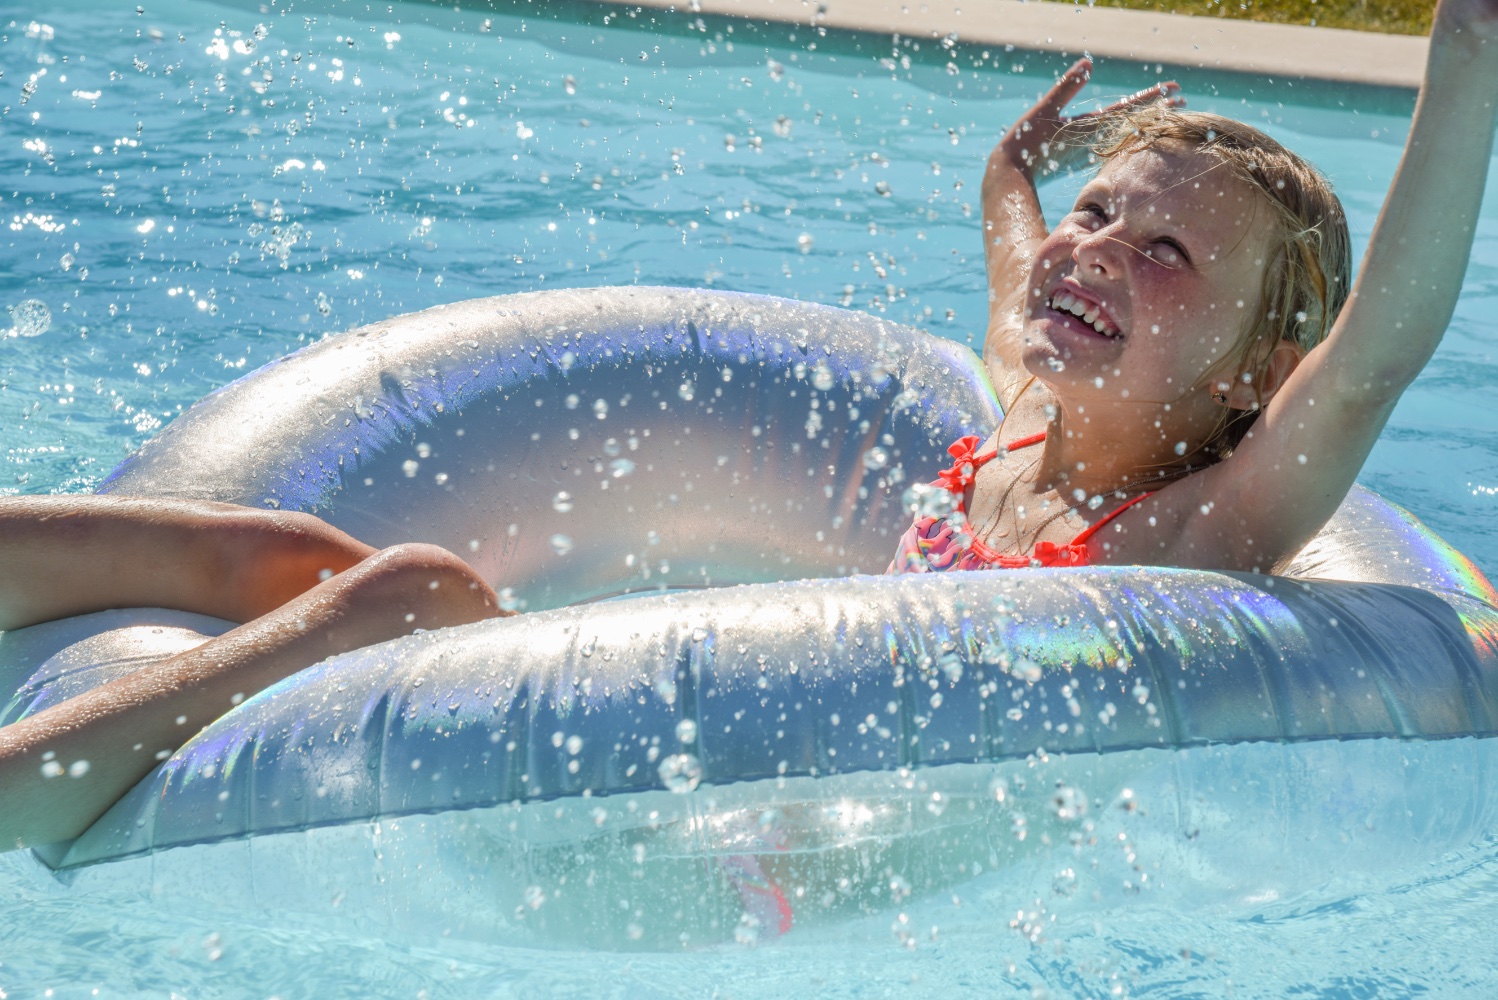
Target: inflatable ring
<point>752,739</point>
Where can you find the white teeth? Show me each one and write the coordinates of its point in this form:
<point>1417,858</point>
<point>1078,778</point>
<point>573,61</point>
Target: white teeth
<point>1090,314</point>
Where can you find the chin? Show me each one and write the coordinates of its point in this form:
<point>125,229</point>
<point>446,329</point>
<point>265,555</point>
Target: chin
<point>1061,357</point>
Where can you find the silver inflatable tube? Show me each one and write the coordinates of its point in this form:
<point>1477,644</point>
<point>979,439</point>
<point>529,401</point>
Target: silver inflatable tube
<point>704,440</point>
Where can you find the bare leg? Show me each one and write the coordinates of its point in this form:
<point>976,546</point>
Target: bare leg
<point>69,555</point>
<point>120,728</point>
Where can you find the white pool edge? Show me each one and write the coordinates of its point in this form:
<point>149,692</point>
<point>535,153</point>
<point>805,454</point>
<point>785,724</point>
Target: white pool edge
<point>1213,43</point>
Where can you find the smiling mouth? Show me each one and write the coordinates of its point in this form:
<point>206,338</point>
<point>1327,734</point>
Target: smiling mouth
<point>1091,313</point>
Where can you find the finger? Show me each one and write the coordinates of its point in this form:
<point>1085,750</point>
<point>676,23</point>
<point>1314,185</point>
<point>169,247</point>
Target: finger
<point>1167,93</point>
<point>1071,82</point>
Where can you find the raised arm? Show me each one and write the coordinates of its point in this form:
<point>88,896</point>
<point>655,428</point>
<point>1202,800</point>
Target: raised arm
<point>1043,141</point>
<point>1289,476</point>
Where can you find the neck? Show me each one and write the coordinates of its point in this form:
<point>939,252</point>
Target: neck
<point>1101,447</point>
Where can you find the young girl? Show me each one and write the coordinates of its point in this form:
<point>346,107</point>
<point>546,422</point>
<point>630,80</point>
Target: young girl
<point>1187,380</point>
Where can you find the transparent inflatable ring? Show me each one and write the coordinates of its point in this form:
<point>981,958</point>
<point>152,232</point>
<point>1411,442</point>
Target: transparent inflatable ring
<point>737,464</point>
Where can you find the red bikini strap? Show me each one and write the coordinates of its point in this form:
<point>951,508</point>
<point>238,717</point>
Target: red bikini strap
<point>1019,443</point>
<point>1082,538</point>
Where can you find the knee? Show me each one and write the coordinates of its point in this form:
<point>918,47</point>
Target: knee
<point>427,583</point>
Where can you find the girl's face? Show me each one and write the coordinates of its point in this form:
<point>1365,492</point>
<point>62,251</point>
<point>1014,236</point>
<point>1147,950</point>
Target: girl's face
<point>1145,290</point>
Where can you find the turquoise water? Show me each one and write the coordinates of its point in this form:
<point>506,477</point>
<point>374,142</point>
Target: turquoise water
<point>197,189</point>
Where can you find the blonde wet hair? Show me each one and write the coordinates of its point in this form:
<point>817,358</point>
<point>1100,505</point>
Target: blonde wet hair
<point>1308,273</point>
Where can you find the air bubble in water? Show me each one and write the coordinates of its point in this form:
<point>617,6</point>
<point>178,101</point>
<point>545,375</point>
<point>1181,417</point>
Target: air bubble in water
<point>562,502</point>
<point>687,391</point>
<point>805,242</point>
<point>686,731</point>
<point>882,189</point>
<point>782,127</point>
<point>30,318</point>
<point>561,544</point>
<point>875,458</point>
<point>600,408</point>
<point>821,377</point>
<point>621,467</point>
<point>680,773</point>
<point>569,84</point>
<point>508,601</point>
<point>409,467</point>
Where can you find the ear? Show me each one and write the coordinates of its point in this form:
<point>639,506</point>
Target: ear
<point>1274,371</point>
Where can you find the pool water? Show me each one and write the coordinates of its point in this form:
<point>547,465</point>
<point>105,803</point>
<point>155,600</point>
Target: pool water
<point>195,189</point>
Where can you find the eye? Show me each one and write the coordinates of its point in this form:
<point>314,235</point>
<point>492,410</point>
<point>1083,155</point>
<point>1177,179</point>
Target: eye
<point>1094,214</point>
<point>1170,251</point>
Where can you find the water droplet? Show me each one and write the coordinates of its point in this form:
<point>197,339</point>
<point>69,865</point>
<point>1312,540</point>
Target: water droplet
<point>687,391</point>
<point>882,189</point>
<point>1069,803</point>
<point>30,318</point>
<point>600,408</point>
<point>574,745</point>
<point>805,242</point>
<point>569,84</point>
<point>1056,364</point>
<point>534,897</point>
<point>1026,670</point>
<point>875,458</point>
<point>561,544</point>
<point>680,773</point>
<point>562,502</point>
<point>571,401</point>
<point>1180,447</point>
<point>508,601</point>
<point>923,500</point>
<point>686,731</point>
<point>621,467</point>
<point>409,467</point>
<point>782,127</point>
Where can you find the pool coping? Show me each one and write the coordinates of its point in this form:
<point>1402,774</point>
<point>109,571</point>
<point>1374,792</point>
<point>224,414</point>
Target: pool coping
<point>1212,43</point>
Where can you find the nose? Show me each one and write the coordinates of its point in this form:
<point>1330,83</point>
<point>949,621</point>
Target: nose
<point>1100,252</point>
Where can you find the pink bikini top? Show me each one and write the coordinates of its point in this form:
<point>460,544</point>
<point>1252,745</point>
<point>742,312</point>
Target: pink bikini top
<point>932,544</point>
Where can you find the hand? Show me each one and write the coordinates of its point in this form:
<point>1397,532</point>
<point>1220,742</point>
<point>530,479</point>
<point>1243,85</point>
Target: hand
<point>1045,141</point>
